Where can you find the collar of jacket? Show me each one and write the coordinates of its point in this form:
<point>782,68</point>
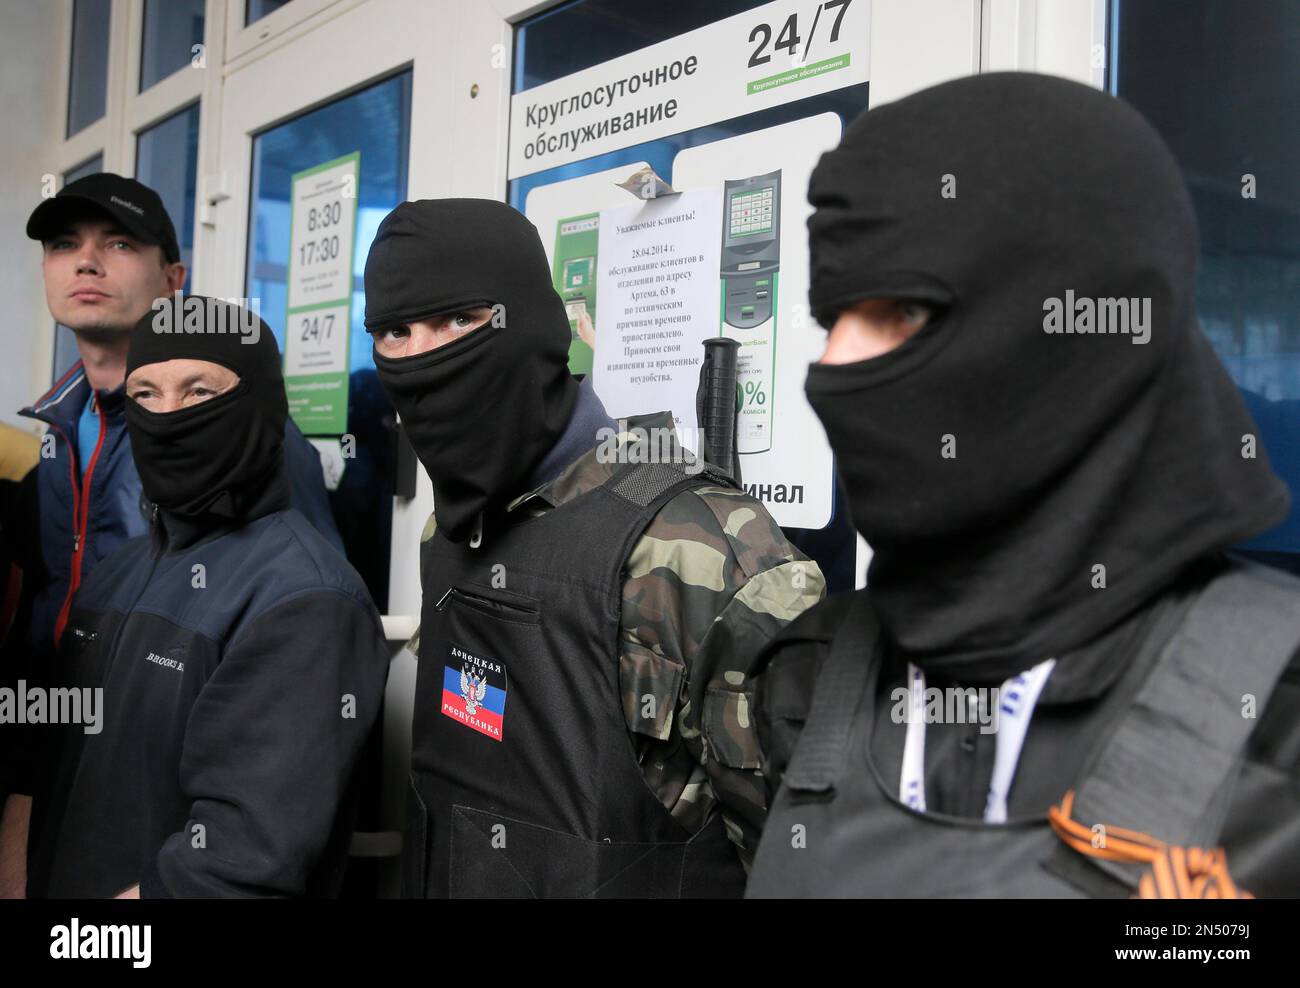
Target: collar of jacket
<point>580,474</point>
<point>585,423</point>
<point>61,406</point>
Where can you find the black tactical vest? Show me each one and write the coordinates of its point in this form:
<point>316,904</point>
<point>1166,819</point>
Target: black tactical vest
<point>524,776</point>
<point>1167,768</point>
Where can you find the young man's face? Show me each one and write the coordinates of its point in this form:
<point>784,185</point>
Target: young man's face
<point>411,338</point>
<point>98,277</point>
<point>174,384</point>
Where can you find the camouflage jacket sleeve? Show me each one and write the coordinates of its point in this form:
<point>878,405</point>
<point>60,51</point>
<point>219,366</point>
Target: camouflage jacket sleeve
<point>710,581</point>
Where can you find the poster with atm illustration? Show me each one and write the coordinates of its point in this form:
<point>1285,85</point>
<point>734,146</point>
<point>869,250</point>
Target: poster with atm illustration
<point>751,257</point>
<point>725,254</point>
<point>763,302</point>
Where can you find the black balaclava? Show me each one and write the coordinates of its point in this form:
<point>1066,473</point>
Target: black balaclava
<point>483,410</point>
<point>220,463</point>
<point>1072,452</point>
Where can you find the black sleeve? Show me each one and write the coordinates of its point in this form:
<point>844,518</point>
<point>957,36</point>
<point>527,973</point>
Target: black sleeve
<point>22,576</point>
<point>271,748</point>
<point>786,676</point>
<point>782,699</point>
<point>20,517</point>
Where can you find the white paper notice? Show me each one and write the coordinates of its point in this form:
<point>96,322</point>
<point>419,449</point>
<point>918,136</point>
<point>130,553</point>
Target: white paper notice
<point>658,287</point>
<point>324,220</point>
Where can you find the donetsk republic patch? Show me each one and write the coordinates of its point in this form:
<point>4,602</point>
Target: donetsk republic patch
<point>474,691</point>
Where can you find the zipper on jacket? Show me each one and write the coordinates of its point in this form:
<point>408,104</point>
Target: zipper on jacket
<point>80,515</point>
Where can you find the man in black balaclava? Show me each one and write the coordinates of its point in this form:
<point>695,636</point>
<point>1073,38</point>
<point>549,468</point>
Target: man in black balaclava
<point>593,598</point>
<point>1048,462</point>
<point>231,667</point>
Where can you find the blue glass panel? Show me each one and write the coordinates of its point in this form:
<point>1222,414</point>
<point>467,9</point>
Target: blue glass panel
<point>375,122</point>
<point>167,160</point>
<point>544,48</point>
<point>171,30</point>
<point>257,9</point>
<point>88,79</point>
<point>1222,89</point>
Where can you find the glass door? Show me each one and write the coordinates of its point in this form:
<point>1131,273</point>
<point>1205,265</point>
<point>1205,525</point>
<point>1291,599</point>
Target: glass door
<point>343,410</point>
<point>317,146</point>
<point>326,115</point>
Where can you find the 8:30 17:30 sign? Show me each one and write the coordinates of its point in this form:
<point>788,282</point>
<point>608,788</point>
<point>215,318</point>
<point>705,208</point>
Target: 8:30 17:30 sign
<point>315,251</point>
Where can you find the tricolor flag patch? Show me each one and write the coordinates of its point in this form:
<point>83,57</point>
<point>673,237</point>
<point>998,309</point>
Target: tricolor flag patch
<point>474,691</point>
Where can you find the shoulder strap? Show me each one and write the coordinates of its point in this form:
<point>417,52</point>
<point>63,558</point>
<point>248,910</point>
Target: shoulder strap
<point>820,753</point>
<point>1170,766</point>
<point>649,474</point>
<point>644,483</point>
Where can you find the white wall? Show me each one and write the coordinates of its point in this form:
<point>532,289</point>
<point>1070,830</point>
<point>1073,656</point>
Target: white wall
<point>31,39</point>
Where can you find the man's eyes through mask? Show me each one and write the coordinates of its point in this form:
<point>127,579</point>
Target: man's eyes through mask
<point>873,327</point>
<point>421,336</point>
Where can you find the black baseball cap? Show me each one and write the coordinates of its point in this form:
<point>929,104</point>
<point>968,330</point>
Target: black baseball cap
<point>132,204</point>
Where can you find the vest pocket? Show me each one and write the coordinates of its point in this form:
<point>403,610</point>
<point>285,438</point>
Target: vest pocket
<point>493,856</point>
<point>500,604</point>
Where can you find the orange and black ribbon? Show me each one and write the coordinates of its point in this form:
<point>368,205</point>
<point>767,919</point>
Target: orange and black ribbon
<point>1175,872</point>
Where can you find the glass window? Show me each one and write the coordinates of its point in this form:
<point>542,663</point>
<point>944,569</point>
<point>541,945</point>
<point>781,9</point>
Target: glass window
<point>95,164</point>
<point>257,9</point>
<point>88,75</point>
<point>1222,90</point>
<point>544,48</point>
<point>166,160</point>
<point>544,52</point>
<point>171,30</point>
<point>375,123</point>
<point>65,341</point>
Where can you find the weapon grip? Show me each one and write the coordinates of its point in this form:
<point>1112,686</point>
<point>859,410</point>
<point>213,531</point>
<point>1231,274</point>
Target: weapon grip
<point>717,404</point>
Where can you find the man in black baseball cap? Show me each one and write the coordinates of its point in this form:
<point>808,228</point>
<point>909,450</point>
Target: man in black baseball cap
<point>109,250</point>
<point>135,207</point>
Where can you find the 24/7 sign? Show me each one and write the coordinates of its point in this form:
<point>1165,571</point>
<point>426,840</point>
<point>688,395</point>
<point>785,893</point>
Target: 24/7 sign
<point>324,204</point>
